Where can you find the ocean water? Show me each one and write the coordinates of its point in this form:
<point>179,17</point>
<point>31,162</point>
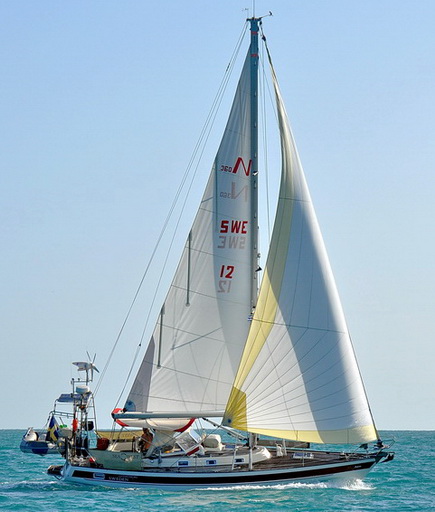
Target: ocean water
<point>405,484</point>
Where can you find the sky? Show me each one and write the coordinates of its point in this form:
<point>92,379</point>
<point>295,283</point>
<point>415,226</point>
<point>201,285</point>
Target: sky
<point>101,106</point>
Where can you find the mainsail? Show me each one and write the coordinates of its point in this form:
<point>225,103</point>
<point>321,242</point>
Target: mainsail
<point>193,355</point>
<point>298,377</point>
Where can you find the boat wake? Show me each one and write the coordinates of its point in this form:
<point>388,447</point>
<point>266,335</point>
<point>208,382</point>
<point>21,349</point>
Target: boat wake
<point>24,485</point>
<point>295,485</point>
<point>355,485</point>
<point>349,485</point>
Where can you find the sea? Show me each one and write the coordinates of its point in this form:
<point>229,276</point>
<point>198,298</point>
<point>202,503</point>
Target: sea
<point>405,484</point>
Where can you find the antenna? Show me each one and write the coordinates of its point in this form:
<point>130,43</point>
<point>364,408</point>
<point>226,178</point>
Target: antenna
<point>253,9</point>
<point>88,367</point>
<point>260,17</point>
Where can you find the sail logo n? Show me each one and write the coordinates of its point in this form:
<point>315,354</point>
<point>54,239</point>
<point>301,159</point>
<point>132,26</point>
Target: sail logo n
<point>241,162</point>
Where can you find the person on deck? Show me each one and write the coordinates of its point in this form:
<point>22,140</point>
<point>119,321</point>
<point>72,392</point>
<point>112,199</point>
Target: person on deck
<point>145,440</point>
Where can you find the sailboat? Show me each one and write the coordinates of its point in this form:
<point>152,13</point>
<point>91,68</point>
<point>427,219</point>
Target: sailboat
<point>272,367</point>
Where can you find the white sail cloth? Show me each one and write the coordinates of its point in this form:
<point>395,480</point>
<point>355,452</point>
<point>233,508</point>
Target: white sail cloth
<point>298,377</point>
<point>195,348</point>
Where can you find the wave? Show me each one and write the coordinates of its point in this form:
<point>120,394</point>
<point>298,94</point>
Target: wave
<point>349,485</point>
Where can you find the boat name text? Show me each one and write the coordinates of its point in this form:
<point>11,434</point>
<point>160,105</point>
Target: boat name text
<point>232,242</point>
<point>236,226</point>
<point>226,272</point>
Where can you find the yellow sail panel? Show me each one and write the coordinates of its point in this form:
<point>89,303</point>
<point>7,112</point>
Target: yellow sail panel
<point>235,414</point>
<point>265,312</point>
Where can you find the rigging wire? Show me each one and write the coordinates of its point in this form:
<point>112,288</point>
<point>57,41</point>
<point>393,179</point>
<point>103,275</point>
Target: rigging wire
<point>263,82</point>
<point>196,156</point>
<point>267,88</point>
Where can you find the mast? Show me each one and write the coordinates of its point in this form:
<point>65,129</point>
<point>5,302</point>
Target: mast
<point>254,157</point>
<point>254,179</point>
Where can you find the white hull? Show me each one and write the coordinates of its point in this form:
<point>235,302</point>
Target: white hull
<point>344,471</point>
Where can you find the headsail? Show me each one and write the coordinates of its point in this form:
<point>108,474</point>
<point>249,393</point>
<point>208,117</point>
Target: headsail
<point>298,377</point>
<point>197,343</point>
